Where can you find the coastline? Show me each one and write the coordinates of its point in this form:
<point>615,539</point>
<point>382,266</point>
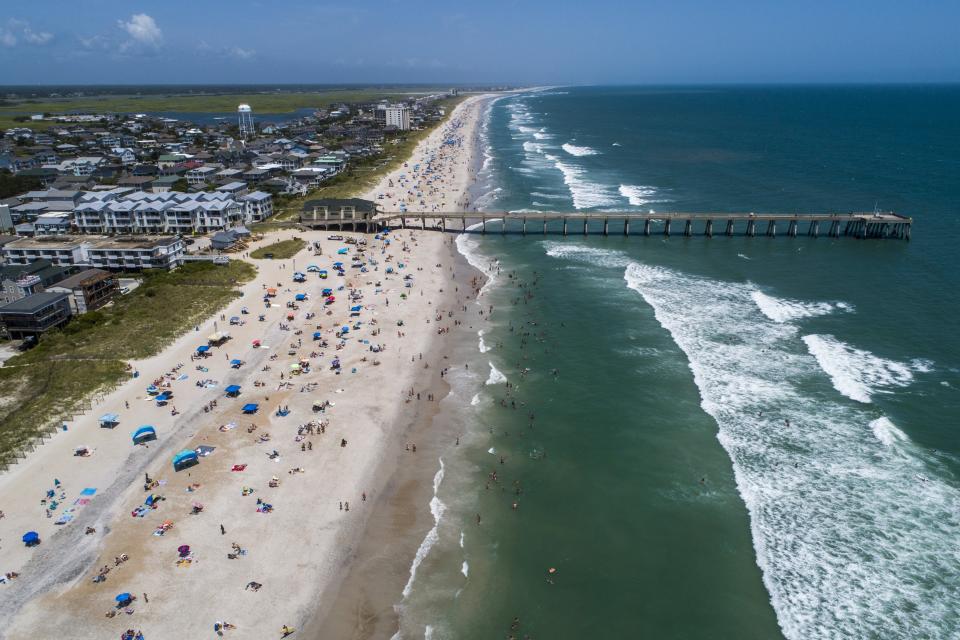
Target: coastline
<point>367,601</point>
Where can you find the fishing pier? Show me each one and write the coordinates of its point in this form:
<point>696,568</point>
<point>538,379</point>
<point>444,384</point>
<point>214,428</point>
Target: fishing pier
<point>873,225</point>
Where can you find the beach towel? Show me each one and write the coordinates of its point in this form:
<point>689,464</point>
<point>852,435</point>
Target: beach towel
<point>64,518</point>
<point>238,467</point>
<point>80,502</point>
<point>183,376</point>
<point>89,491</point>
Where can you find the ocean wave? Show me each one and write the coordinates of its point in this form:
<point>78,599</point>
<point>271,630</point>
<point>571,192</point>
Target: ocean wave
<point>437,509</point>
<point>495,376</point>
<point>465,569</point>
<point>585,194</point>
<point>549,196</point>
<point>584,253</point>
<point>469,249</point>
<point>574,150</point>
<point>856,373</point>
<point>475,400</point>
<point>483,345</point>
<point>639,195</point>
<point>887,432</point>
<point>855,538</point>
<point>783,310</point>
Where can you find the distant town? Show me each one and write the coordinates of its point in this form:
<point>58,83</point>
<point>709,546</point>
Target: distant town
<point>89,196</point>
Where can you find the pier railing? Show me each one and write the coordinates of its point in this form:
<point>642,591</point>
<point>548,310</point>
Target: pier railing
<point>872,225</point>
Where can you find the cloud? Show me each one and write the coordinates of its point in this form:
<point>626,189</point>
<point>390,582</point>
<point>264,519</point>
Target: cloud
<point>243,54</point>
<point>143,29</point>
<point>17,29</point>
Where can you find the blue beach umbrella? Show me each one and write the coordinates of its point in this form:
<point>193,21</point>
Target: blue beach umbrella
<point>31,538</point>
<point>250,408</point>
<point>236,363</point>
<point>203,348</point>
<point>317,335</point>
<point>145,433</point>
<point>233,390</point>
<point>300,297</point>
<point>123,598</point>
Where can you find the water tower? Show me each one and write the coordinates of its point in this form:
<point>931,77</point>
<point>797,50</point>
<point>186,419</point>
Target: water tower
<point>245,120</point>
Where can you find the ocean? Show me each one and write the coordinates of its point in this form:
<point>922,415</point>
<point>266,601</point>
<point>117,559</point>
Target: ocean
<point>706,438</point>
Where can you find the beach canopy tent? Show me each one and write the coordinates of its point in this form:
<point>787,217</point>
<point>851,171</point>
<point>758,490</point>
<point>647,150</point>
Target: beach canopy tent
<point>31,538</point>
<point>184,459</point>
<point>355,308</point>
<point>109,420</point>
<point>123,599</point>
<point>312,268</point>
<point>233,390</point>
<point>144,434</point>
<point>236,363</point>
<point>218,337</point>
<point>203,348</point>
<point>250,407</point>
<point>300,297</point>
<point>271,292</point>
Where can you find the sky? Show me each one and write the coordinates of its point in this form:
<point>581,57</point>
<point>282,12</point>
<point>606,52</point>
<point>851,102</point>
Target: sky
<point>483,42</point>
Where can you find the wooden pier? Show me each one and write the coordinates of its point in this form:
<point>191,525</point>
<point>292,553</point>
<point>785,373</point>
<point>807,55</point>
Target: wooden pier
<point>873,225</point>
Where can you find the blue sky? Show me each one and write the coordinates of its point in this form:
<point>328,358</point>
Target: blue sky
<point>490,41</point>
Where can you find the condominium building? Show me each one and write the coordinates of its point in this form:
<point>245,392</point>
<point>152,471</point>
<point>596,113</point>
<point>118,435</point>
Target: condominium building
<point>125,253</point>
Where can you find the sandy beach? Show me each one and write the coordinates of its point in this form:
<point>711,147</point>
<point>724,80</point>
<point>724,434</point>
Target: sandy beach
<point>322,473</point>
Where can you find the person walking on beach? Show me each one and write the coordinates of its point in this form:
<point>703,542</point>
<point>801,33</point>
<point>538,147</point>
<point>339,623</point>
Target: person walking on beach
<point>223,531</point>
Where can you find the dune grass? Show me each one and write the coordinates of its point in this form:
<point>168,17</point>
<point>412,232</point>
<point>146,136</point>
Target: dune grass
<point>279,250</point>
<point>58,377</point>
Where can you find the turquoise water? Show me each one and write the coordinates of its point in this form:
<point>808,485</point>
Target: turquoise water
<point>733,437</point>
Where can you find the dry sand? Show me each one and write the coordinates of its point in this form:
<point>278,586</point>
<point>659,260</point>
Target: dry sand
<point>303,549</point>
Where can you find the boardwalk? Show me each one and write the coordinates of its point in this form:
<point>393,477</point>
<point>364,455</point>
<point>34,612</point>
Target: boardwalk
<point>855,225</point>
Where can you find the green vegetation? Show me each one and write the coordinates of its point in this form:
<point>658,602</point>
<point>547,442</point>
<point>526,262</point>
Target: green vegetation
<point>279,250</point>
<point>261,102</point>
<point>57,378</point>
<point>363,175</point>
<point>11,185</point>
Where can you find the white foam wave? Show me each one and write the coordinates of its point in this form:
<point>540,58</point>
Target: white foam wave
<point>428,632</point>
<point>856,373</point>
<point>639,195</point>
<point>853,540</point>
<point>495,376</point>
<point>574,150</point>
<point>740,255</point>
<point>461,539</point>
<point>465,569</point>
<point>483,345</point>
<point>887,432</point>
<point>585,194</point>
<point>437,509</point>
<point>548,196</point>
<point>784,310</point>
<point>469,248</point>
<point>475,400</point>
<point>584,253</point>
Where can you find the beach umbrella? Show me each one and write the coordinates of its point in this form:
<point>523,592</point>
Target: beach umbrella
<point>203,348</point>
<point>183,550</point>
<point>144,433</point>
<point>31,538</point>
<point>300,297</point>
<point>317,335</point>
<point>338,264</point>
<point>342,252</point>
<point>233,390</point>
<point>295,367</point>
<point>355,308</point>
<point>344,329</point>
<point>236,363</point>
<point>256,343</point>
<point>124,598</point>
<point>184,459</point>
<point>250,408</point>
<point>326,292</point>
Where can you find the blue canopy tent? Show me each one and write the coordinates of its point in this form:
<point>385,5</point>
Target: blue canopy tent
<point>31,538</point>
<point>144,434</point>
<point>109,420</point>
<point>300,297</point>
<point>123,599</point>
<point>236,363</point>
<point>184,459</point>
<point>233,390</point>
<point>317,335</point>
<point>250,407</point>
<point>203,348</point>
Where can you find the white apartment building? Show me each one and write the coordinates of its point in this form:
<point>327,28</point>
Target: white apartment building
<point>397,116</point>
<point>116,254</point>
<point>123,211</point>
